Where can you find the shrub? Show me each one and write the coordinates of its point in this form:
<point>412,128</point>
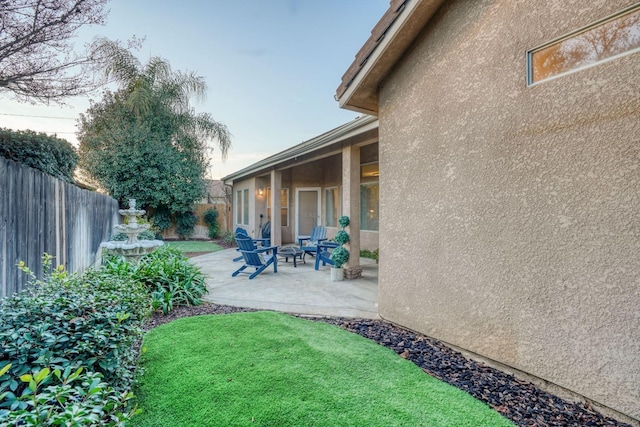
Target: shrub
<point>161,219</point>
<point>375,255</point>
<point>339,256</point>
<point>211,219</point>
<point>92,321</point>
<point>167,275</point>
<point>342,237</point>
<point>67,323</point>
<point>65,397</point>
<point>228,238</point>
<point>185,222</point>
<point>49,154</point>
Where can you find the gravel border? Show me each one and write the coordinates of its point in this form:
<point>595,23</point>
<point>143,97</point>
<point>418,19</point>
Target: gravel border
<point>520,401</point>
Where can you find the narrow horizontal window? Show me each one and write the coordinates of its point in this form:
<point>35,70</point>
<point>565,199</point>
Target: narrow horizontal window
<point>603,40</point>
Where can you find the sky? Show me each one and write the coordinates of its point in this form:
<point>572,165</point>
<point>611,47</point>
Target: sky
<point>271,66</point>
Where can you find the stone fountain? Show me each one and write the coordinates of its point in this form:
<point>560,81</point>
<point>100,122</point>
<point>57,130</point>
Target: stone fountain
<point>132,249</point>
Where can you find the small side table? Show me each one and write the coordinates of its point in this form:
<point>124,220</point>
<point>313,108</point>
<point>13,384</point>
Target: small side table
<point>293,252</point>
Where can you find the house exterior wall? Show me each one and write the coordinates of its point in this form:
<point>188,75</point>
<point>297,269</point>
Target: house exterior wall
<point>520,204</point>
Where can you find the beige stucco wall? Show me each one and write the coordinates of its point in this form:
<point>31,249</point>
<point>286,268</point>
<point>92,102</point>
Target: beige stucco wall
<point>516,208</point>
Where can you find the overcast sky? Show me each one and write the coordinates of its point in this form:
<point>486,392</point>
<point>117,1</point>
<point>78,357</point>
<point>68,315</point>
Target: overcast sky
<point>271,66</point>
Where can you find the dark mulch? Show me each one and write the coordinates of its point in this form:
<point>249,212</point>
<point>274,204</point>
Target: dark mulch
<point>520,401</point>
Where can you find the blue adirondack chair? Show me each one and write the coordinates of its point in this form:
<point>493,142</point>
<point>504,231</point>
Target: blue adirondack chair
<point>323,253</point>
<point>309,244</point>
<point>240,232</point>
<point>263,241</point>
<point>254,257</point>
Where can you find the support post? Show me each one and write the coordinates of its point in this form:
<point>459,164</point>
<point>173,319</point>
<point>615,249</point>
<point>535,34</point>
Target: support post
<point>351,207</point>
<point>276,219</point>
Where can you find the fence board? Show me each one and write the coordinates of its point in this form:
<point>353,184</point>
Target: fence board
<point>38,214</point>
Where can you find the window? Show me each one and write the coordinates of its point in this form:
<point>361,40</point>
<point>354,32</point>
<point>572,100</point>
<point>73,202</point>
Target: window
<point>332,206</point>
<point>245,207</point>
<point>284,206</point>
<point>242,207</point>
<point>601,41</point>
<point>369,206</point>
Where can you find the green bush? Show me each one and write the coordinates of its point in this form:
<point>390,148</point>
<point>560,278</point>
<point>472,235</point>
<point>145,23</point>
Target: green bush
<point>167,275</point>
<point>65,397</point>
<point>185,222</point>
<point>342,237</point>
<point>211,219</point>
<point>161,219</point>
<point>375,255</point>
<point>51,155</point>
<point>91,321</point>
<point>58,325</point>
<point>228,238</point>
<point>339,256</point>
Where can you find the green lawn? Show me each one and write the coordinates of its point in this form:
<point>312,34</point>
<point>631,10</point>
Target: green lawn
<point>271,369</point>
<point>194,246</point>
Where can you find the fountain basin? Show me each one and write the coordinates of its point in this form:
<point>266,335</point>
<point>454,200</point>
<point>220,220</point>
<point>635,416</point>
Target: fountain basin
<point>132,251</point>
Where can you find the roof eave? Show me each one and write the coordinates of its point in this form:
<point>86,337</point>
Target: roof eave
<point>360,91</point>
<point>341,133</point>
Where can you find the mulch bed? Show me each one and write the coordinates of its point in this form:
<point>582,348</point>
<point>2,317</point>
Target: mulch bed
<point>520,401</point>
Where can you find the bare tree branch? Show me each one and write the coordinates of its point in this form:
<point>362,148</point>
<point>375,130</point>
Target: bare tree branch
<point>37,60</point>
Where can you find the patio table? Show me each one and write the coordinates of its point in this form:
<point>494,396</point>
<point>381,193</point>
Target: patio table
<point>292,252</point>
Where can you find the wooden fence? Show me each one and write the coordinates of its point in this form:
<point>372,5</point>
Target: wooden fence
<point>38,214</point>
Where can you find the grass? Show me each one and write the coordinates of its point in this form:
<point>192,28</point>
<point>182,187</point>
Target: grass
<point>271,369</point>
<point>194,246</point>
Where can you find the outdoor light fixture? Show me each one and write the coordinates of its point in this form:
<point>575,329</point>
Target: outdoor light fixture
<point>260,191</point>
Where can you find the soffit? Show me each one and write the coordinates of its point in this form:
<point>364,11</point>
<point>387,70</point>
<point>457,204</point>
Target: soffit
<point>390,38</point>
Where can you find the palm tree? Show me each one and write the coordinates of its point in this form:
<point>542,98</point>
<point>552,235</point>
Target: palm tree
<point>145,141</point>
<point>155,83</point>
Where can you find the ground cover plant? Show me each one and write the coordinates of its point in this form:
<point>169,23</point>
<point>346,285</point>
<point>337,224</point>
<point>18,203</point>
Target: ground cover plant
<point>67,349</point>
<point>166,274</point>
<point>266,368</point>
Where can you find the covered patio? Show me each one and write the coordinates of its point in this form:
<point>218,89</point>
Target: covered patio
<point>313,184</point>
<point>300,290</point>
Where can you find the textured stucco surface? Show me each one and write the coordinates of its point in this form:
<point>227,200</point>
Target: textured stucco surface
<point>510,215</point>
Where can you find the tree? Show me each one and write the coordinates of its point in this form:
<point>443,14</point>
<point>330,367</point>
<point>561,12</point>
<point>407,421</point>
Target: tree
<point>37,61</point>
<point>145,141</point>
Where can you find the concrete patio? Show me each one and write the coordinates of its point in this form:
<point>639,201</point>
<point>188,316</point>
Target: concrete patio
<point>300,289</point>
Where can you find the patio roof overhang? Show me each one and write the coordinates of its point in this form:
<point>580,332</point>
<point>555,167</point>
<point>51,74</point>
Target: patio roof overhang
<point>390,38</point>
<point>311,149</point>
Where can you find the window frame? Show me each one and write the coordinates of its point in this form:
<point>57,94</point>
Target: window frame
<point>282,207</point>
<point>326,205</point>
<point>242,208</point>
<point>362,221</point>
<point>529,54</point>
